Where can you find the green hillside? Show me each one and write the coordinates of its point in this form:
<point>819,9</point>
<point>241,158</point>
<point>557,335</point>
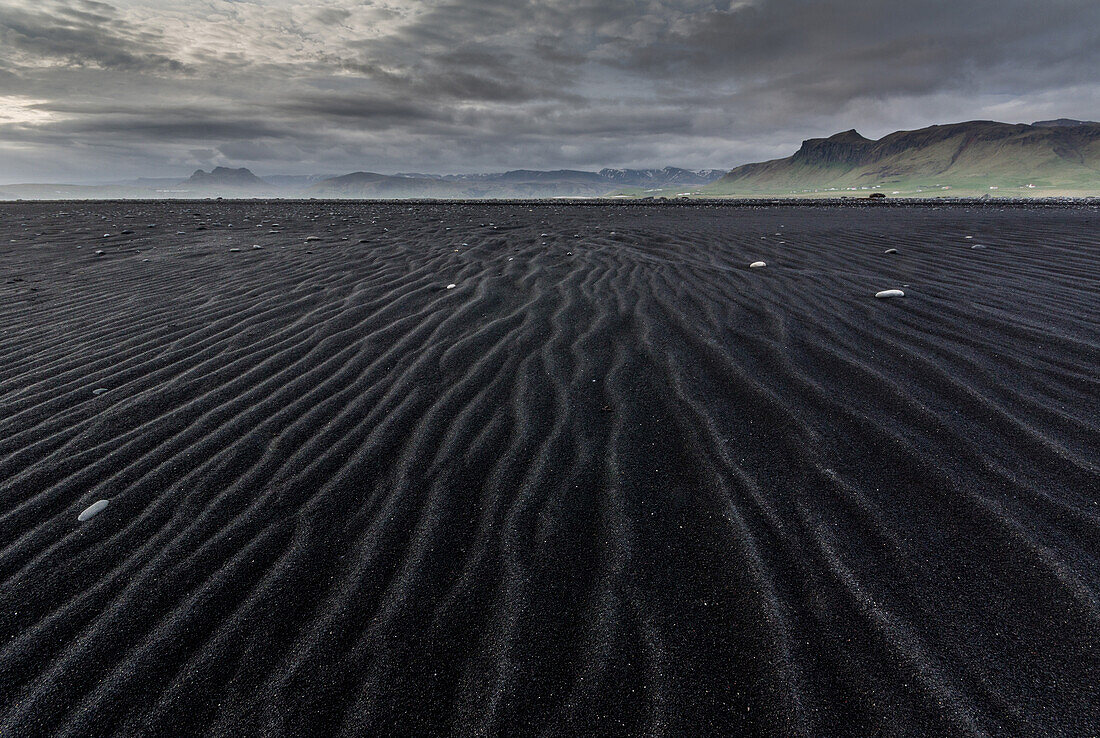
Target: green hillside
<point>1058,158</point>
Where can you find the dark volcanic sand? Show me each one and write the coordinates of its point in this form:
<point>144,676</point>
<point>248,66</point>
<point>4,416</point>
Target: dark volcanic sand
<point>611,483</point>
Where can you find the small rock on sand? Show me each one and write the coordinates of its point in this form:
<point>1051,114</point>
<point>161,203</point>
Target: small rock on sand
<point>92,510</point>
<point>100,391</point>
<point>977,246</point>
<point>890,251</point>
<point>234,249</point>
<point>889,293</point>
<point>757,265</point>
<point>313,238</point>
<point>451,286</point>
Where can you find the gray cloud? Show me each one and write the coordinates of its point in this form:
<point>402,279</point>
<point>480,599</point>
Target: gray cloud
<point>85,33</point>
<point>156,87</point>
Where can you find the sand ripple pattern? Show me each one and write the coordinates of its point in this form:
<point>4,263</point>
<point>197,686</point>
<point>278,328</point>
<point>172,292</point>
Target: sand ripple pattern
<point>612,483</point>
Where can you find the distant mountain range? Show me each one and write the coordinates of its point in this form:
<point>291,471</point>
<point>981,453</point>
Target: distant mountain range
<point>1054,157</point>
<point>224,177</point>
<point>979,158</point>
<point>522,183</point>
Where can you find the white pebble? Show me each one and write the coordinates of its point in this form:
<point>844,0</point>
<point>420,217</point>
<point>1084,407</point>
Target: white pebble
<point>889,293</point>
<point>890,251</point>
<point>757,265</point>
<point>451,286</point>
<point>92,510</point>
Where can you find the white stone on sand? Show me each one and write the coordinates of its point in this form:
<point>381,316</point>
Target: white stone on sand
<point>889,293</point>
<point>890,251</point>
<point>92,510</point>
<point>451,286</point>
<point>757,265</point>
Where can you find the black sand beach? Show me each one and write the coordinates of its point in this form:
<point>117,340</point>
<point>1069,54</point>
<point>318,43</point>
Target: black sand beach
<point>613,482</point>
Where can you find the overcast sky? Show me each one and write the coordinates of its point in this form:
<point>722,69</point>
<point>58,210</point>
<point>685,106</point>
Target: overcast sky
<point>93,91</point>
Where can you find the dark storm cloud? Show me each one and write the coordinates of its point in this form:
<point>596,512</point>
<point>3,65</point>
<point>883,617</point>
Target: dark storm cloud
<point>442,78</point>
<point>863,48</point>
<point>157,128</point>
<point>86,33</point>
<point>373,109</point>
<point>480,84</point>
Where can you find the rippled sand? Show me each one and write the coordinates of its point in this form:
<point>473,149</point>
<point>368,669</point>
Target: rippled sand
<point>612,482</point>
